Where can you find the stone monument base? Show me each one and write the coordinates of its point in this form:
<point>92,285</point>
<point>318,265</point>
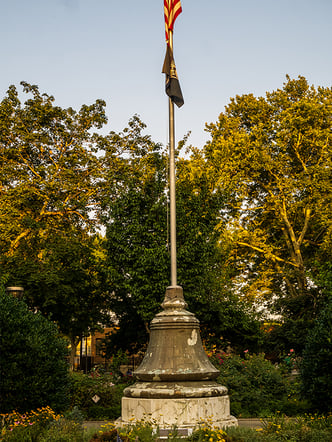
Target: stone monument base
<point>179,412</point>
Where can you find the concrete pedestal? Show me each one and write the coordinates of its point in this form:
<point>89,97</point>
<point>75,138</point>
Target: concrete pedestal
<point>183,412</point>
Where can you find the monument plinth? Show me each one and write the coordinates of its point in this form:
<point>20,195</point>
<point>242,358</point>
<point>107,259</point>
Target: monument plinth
<point>175,383</point>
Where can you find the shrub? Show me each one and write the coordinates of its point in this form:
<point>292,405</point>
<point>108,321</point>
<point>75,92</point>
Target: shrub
<point>84,387</point>
<point>255,386</point>
<point>63,430</point>
<point>316,367</point>
<point>293,402</point>
<point>33,370</point>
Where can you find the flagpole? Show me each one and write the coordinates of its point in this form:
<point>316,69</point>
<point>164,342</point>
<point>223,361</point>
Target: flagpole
<point>172,183</point>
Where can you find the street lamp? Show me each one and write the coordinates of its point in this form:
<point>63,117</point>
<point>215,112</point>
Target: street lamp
<point>17,292</point>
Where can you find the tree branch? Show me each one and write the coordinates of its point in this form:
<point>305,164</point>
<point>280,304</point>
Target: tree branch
<point>271,255</point>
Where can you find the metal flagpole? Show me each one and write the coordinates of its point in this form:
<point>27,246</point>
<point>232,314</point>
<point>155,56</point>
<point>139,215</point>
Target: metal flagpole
<point>172,191</point>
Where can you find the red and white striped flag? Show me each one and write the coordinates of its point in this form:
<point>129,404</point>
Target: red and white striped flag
<point>172,8</point>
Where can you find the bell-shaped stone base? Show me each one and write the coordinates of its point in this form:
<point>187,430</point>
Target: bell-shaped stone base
<point>176,381</point>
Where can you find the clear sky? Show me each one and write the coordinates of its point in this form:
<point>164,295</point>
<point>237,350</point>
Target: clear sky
<point>82,50</point>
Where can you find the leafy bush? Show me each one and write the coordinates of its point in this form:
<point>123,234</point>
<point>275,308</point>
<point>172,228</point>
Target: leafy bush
<point>289,334</point>
<point>33,370</point>
<point>316,367</point>
<point>63,430</point>
<point>85,387</point>
<point>293,402</point>
<point>256,387</point>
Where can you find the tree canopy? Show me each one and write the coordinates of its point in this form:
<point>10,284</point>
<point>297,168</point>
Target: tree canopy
<point>253,215</point>
<point>138,262</point>
<point>49,174</point>
<point>271,157</point>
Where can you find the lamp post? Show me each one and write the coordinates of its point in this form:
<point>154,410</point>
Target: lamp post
<point>17,292</point>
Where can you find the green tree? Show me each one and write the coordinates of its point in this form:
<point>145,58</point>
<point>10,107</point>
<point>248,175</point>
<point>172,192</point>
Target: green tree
<point>272,158</point>
<point>316,366</point>
<point>64,282</point>
<point>136,231</point>
<point>49,182</point>
<point>49,167</point>
<point>136,215</point>
<point>204,268</point>
<point>33,368</point>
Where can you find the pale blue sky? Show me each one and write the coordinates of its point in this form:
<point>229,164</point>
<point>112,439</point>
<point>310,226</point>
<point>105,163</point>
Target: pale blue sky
<point>81,50</point>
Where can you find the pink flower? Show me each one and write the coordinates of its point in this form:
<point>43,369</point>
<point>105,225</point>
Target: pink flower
<point>245,351</point>
<point>291,350</point>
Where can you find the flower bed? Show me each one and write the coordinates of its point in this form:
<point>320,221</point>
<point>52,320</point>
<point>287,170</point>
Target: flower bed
<point>44,425</point>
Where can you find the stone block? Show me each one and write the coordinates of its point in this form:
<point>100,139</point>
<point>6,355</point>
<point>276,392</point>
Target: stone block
<point>182,412</point>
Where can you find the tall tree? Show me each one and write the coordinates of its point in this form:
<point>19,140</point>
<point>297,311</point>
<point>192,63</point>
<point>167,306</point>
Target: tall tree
<point>137,242</point>
<point>272,157</point>
<point>49,173</point>
<point>136,230</point>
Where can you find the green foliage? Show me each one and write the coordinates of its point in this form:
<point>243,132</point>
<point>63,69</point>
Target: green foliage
<point>63,430</point>
<point>27,427</point>
<point>226,321</point>
<point>42,425</point>
<point>142,430</point>
<point>85,387</point>
<point>208,434</point>
<point>307,428</point>
<point>257,387</point>
<point>138,262</point>
<point>117,359</point>
<point>33,370</point>
<point>108,433</point>
<point>135,216</point>
<point>203,267</point>
<point>316,367</point>
<point>288,334</point>
<point>49,169</point>
<point>270,158</point>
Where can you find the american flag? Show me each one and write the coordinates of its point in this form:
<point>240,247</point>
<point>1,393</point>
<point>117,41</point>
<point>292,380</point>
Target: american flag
<point>172,8</point>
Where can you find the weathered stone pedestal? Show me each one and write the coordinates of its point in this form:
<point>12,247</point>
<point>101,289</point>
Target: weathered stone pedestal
<point>176,381</point>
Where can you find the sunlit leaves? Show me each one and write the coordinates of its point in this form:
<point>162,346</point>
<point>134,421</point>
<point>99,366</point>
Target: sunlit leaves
<point>50,175</point>
<point>271,156</point>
